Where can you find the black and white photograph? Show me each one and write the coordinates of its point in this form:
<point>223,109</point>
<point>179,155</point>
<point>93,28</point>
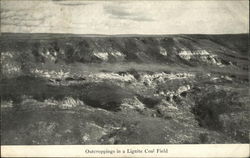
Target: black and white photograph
<point>79,72</point>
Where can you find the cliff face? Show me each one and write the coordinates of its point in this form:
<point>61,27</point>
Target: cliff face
<point>192,50</point>
<point>124,90</point>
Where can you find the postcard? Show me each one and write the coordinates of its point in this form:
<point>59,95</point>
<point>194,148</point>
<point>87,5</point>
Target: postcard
<point>135,78</point>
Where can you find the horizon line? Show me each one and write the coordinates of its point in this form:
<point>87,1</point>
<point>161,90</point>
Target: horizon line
<point>118,35</point>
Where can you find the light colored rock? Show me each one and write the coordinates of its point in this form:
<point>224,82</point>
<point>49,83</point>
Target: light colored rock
<point>203,55</point>
<point>5,55</point>
<point>69,103</point>
<point>153,80</point>
<point>117,54</point>
<point>10,68</point>
<point>113,76</point>
<point>163,51</point>
<point>50,74</point>
<point>228,78</point>
<point>6,104</point>
<point>132,103</point>
<point>185,54</point>
<point>101,55</point>
<point>183,89</point>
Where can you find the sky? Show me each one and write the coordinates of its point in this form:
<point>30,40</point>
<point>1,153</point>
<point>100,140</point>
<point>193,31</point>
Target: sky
<point>125,17</point>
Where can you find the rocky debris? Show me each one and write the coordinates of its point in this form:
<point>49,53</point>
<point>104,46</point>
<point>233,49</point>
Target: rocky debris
<point>7,104</point>
<point>200,55</point>
<point>183,90</point>
<point>69,103</point>
<point>101,55</point>
<point>30,103</point>
<point>112,76</point>
<point>49,55</point>
<point>117,56</point>
<point>109,55</point>
<point>227,78</point>
<point>161,78</point>
<point>163,51</point>
<point>7,55</point>
<point>157,95</point>
<point>9,66</point>
<point>51,74</point>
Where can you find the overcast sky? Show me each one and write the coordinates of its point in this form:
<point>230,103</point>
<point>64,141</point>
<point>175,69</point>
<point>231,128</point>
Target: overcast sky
<point>125,17</point>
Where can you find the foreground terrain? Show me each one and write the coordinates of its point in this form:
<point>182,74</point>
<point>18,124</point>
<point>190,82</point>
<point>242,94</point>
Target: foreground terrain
<point>178,89</point>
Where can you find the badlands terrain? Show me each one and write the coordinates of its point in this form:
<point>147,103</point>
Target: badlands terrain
<point>94,89</point>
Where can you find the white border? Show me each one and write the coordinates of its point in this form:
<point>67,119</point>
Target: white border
<point>183,150</point>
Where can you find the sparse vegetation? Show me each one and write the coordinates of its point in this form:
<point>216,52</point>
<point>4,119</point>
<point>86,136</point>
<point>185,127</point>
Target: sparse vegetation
<point>124,90</point>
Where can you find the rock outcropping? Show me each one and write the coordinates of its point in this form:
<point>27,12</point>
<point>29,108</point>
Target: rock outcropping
<point>178,89</point>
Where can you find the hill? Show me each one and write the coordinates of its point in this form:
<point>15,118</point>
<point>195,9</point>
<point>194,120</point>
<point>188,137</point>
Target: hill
<point>133,89</point>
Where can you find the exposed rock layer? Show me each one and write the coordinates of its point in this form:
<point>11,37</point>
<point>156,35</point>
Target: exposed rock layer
<point>124,90</point>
